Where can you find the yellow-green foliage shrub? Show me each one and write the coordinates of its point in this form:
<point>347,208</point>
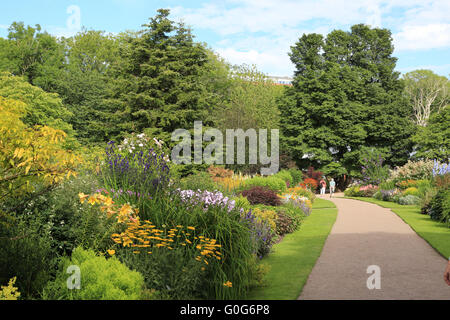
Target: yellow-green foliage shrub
<point>9,292</point>
<point>268,216</point>
<point>241,202</point>
<point>101,279</point>
<point>411,191</point>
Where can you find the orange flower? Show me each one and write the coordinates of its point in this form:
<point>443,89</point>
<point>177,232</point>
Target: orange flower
<point>125,210</point>
<point>111,252</point>
<point>83,197</point>
<point>92,200</point>
<point>228,284</point>
<point>108,201</point>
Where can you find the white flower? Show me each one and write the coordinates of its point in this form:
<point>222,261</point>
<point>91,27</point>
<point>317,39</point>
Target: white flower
<point>158,142</point>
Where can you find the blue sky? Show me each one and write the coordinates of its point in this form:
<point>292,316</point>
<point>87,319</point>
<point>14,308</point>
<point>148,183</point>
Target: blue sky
<point>257,32</point>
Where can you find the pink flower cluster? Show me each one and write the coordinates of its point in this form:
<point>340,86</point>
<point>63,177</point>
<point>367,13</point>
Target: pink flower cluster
<point>368,187</point>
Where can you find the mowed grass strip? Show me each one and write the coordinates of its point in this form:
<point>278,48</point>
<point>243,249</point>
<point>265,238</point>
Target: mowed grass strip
<point>435,233</point>
<point>292,260</point>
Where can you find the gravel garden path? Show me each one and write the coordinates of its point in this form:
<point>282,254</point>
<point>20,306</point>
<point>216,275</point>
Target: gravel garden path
<point>364,235</point>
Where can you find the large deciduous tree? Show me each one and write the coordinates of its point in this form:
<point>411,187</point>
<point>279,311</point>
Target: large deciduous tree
<point>30,53</point>
<point>41,108</point>
<point>427,92</point>
<point>86,84</point>
<point>345,95</point>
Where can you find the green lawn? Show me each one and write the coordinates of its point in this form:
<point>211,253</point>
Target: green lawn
<point>435,233</point>
<point>292,260</point>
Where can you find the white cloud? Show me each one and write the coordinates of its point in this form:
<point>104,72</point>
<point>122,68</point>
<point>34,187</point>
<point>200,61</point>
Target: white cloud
<point>271,62</point>
<point>273,17</point>
<point>418,37</point>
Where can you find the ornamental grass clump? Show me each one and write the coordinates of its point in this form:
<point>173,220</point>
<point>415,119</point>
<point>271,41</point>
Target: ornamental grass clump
<point>147,248</point>
<point>186,245</point>
<point>272,182</point>
<point>213,216</point>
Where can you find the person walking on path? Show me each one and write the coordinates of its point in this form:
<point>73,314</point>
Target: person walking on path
<point>323,185</point>
<point>332,186</point>
<point>447,273</point>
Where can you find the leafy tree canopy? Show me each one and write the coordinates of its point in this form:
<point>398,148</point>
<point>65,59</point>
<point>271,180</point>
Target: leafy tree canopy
<point>433,141</point>
<point>42,108</point>
<point>160,87</point>
<point>345,95</point>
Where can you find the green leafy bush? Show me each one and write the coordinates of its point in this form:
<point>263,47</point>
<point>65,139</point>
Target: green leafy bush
<point>439,206</point>
<point>172,273</point>
<point>297,176</point>
<point>25,252</point>
<point>409,200</point>
<point>446,209</point>
<point>377,195</point>
<point>387,185</point>
<point>424,186</point>
<point>198,181</point>
<point>373,171</point>
<point>242,202</point>
<point>101,279</point>
<point>284,224</point>
<point>353,192</point>
<point>273,183</point>
<point>289,219</point>
<point>286,176</point>
<point>68,222</point>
